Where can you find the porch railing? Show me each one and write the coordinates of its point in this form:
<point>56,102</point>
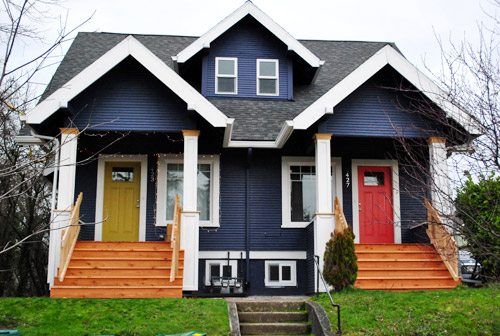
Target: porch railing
<point>69,237</point>
<point>175,239</point>
<point>442,240</point>
<point>340,221</point>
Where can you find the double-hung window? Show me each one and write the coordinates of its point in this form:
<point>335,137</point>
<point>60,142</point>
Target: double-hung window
<point>267,77</point>
<point>226,75</point>
<point>299,189</point>
<point>171,182</point>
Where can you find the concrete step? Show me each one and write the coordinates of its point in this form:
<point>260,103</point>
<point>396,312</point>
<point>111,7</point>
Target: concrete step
<point>261,306</point>
<point>275,328</point>
<point>272,317</point>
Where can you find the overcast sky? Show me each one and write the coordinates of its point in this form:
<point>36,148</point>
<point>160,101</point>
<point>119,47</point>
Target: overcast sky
<point>413,25</point>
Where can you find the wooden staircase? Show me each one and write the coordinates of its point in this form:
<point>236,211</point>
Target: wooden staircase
<point>401,267</point>
<point>120,270</point>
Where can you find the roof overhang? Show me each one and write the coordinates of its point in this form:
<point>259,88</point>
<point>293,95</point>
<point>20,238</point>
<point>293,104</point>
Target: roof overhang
<point>128,47</point>
<point>248,9</point>
<point>385,56</point>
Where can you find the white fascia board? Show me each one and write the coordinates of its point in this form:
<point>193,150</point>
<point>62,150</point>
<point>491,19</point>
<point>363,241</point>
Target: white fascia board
<point>249,9</point>
<point>285,132</point>
<point>386,55</point>
<point>128,47</point>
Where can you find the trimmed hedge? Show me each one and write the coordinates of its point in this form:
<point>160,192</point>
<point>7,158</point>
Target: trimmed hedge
<point>340,267</point>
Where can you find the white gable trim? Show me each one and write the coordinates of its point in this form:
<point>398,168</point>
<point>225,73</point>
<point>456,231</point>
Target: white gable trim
<point>248,9</point>
<point>386,55</point>
<point>128,47</point>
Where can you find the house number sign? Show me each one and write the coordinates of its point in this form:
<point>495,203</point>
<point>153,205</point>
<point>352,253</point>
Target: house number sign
<point>347,180</point>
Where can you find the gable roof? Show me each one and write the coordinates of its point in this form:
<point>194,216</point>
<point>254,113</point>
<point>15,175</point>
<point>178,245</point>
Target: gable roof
<point>248,8</point>
<point>55,98</point>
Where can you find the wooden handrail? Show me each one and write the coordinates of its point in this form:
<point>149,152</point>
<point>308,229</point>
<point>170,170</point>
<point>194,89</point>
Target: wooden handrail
<point>70,235</point>
<point>340,221</point>
<point>442,240</point>
<point>175,239</point>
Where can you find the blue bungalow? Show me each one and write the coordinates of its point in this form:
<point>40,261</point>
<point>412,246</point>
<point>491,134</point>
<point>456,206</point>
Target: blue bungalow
<point>258,133</point>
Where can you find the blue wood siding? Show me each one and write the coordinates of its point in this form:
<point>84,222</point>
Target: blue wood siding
<point>130,98</point>
<point>86,182</point>
<point>374,110</point>
<point>248,41</point>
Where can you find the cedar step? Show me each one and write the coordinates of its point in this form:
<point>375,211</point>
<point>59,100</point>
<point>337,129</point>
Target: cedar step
<point>122,245</point>
<point>394,247</point>
<point>390,283</point>
<point>110,292</point>
<point>120,271</point>
<point>125,281</point>
<point>120,263</point>
<point>395,264</point>
<point>374,272</point>
<point>101,254</point>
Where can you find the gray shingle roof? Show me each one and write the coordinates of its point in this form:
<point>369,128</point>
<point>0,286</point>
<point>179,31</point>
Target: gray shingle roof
<point>255,119</point>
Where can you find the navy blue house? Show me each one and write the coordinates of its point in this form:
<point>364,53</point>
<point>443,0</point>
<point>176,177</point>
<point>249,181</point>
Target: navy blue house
<point>257,132</point>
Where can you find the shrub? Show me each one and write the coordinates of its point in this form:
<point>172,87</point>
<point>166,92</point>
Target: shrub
<point>478,208</point>
<point>340,267</point>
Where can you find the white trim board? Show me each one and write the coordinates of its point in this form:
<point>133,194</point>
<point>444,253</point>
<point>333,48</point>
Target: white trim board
<point>254,255</point>
<point>248,8</point>
<point>143,159</point>
<point>130,46</point>
<point>395,194</point>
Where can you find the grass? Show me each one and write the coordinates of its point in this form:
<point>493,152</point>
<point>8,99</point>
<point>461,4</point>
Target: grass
<point>461,311</point>
<point>45,316</point>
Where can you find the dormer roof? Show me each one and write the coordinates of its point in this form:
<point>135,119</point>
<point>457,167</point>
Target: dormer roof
<point>248,8</point>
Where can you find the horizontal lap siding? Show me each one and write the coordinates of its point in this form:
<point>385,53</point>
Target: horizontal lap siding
<point>372,110</point>
<point>86,182</point>
<point>130,98</point>
<point>247,41</point>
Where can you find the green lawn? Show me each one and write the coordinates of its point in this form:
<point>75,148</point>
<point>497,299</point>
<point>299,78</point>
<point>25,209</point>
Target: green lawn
<point>45,316</point>
<point>462,311</point>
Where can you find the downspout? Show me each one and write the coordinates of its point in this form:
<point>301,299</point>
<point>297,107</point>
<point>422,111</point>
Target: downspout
<point>247,221</point>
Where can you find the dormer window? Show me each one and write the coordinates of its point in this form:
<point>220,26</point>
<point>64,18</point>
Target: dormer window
<point>226,75</point>
<point>267,77</point>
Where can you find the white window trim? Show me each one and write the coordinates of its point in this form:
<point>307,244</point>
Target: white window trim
<point>99,205</point>
<point>161,209</point>
<point>395,194</point>
<point>288,161</point>
<point>280,263</point>
<point>233,263</point>
<point>235,76</point>
<point>276,77</point>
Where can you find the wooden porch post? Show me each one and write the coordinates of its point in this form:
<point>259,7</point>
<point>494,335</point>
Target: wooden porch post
<point>65,196</point>
<point>324,217</point>
<point>190,217</point>
<point>440,189</point>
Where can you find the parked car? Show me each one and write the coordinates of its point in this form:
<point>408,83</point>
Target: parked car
<point>470,269</point>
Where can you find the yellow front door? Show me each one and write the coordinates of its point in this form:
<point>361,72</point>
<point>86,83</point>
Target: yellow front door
<point>122,191</point>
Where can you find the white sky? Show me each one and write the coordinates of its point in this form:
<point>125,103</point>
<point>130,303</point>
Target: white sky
<point>412,24</point>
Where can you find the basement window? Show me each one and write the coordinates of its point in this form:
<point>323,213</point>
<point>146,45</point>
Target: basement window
<point>280,273</point>
<point>217,270</point>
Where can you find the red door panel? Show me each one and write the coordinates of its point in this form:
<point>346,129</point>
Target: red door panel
<point>376,223</point>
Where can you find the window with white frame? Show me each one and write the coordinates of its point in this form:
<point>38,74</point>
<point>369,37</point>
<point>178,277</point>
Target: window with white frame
<point>226,75</point>
<point>267,77</point>
<point>279,273</point>
<point>216,270</point>
<point>299,189</point>
<point>171,182</point>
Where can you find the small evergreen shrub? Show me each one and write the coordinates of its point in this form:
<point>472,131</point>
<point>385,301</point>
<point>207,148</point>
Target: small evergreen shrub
<point>478,207</point>
<point>340,268</point>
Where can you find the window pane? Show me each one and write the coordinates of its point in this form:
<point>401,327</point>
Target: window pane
<point>225,67</point>
<point>374,178</point>
<point>303,194</point>
<point>267,86</point>
<point>226,84</point>
<point>226,271</point>
<point>122,174</point>
<point>214,270</point>
<point>274,273</point>
<point>286,273</point>
<point>175,182</point>
<point>267,68</point>
<point>204,191</point>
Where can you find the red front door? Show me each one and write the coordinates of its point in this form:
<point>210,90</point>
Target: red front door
<point>376,219</point>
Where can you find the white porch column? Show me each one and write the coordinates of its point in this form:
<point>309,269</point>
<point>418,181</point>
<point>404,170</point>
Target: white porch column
<point>190,217</point>
<point>440,188</point>
<point>324,217</point>
<point>65,196</point>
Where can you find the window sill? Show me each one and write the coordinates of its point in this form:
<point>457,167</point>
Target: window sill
<point>295,225</point>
